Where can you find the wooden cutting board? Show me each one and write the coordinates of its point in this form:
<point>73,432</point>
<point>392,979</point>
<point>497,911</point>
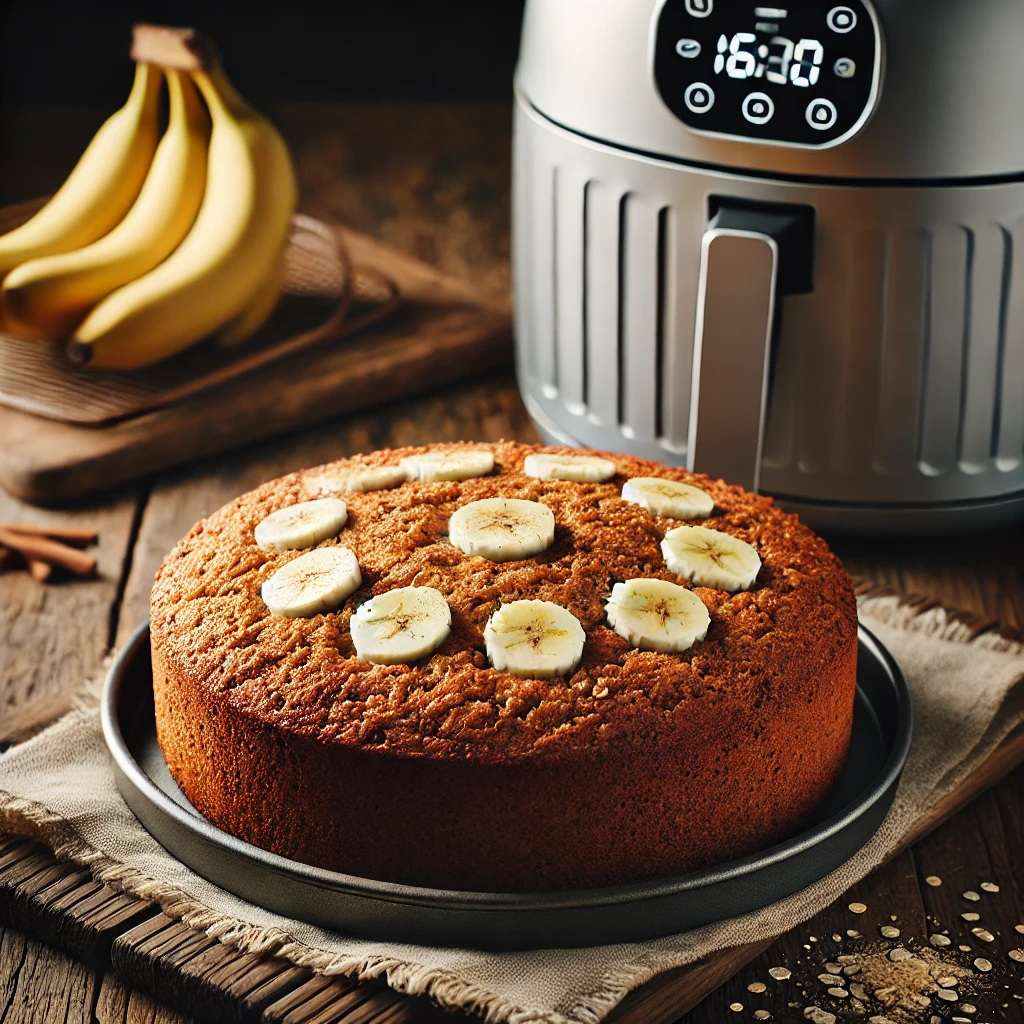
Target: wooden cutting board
<point>441,332</point>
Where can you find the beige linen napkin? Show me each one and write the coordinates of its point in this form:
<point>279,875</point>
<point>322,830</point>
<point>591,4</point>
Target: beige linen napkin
<point>59,788</point>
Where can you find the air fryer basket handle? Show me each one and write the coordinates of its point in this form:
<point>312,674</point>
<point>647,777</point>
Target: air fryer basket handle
<point>731,354</point>
<point>748,257</point>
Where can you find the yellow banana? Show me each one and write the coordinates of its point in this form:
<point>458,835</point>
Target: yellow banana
<point>48,296</point>
<point>257,313</point>
<point>103,184</point>
<point>238,235</point>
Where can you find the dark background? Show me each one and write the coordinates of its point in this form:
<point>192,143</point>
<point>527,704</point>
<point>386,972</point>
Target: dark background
<point>53,52</point>
<point>64,66</point>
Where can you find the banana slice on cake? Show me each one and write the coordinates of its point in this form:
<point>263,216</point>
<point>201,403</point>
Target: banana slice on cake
<point>458,465</point>
<point>303,525</point>
<point>583,469</point>
<point>668,498</point>
<point>502,529</point>
<point>314,582</point>
<point>656,615</point>
<point>401,626</point>
<point>711,558</point>
<point>365,478</point>
<point>535,639</point>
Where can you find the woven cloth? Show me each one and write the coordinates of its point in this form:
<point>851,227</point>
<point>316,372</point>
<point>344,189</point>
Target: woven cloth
<point>59,788</point>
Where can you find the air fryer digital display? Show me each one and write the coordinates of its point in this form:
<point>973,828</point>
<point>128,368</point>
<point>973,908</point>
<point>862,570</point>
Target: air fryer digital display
<point>803,74</point>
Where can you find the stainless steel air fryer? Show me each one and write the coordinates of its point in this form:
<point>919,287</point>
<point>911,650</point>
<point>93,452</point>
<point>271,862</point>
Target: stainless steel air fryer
<point>782,245</point>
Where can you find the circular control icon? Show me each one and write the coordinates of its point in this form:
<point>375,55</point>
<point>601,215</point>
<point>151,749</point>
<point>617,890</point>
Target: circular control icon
<point>688,48</point>
<point>844,68</point>
<point>699,98</point>
<point>821,114</point>
<point>841,19</point>
<point>699,8</point>
<point>758,108</point>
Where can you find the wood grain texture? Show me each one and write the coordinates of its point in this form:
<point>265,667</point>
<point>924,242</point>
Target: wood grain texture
<point>38,985</point>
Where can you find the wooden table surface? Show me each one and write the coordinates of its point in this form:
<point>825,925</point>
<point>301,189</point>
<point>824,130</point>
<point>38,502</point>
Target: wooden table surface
<point>432,180</point>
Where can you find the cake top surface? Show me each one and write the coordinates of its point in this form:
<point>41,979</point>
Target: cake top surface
<point>209,622</point>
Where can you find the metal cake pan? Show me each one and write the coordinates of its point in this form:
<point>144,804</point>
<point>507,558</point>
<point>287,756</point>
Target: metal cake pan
<point>844,822</point>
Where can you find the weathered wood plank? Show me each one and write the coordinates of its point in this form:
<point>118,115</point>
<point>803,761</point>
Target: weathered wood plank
<point>39,985</point>
<point>118,1003</point>
<point>54,636</point>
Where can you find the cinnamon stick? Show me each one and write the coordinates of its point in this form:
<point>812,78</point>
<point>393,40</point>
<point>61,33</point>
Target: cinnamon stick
<point>74,535</point>
<point>52,552</point>
<point>40,571</point>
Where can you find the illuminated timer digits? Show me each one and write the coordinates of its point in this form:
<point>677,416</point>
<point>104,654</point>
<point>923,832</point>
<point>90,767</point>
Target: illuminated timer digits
<point>798,63</point>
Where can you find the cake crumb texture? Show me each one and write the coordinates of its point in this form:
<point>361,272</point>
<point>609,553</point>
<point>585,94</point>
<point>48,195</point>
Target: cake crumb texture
<point>452,774</point>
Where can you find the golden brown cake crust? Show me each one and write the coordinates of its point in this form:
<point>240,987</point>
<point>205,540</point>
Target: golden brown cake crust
<point>451,773</point>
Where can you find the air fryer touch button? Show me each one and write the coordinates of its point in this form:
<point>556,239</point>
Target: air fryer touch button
<point>844,67</point>
<point>758,108</point>
<point>699,8</point>
<point>700,98</point>
<point>841,19</point>
<point>688,48</point>
<point>821,114</point>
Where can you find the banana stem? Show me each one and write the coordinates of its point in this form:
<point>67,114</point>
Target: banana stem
<point>148,79</point>
<point>220,95</point>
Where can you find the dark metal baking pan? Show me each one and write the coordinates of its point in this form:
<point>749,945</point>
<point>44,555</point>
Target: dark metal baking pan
<point>845,821</point>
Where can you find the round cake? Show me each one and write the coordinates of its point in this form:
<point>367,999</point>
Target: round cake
<point>503,667</point>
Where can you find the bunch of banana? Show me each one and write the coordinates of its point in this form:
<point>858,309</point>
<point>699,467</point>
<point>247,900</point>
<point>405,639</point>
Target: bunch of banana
<point>149,248</point>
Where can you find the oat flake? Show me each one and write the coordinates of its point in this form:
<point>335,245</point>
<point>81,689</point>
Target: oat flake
<point>736,1007</point>
<point>889,931</point>
<point>933,880</point>
<point>971,895</point>
<point>970,916</point>
<point>757,987</point>
<point>983,934</point>
<point>780,973</point>
<point>762,1014</point>
<point>990,887</point>
<point>939,940</point>
<point>857,908</point>
<point>1016,954</point>
<point>982,964</point>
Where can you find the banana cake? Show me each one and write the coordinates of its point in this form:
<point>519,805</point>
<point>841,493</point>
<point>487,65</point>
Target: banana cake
<point>503,667</point>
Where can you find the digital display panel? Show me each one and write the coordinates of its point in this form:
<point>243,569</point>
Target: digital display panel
<point>804,74</point>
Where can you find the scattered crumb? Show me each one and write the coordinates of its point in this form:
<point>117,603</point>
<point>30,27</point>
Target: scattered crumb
<point>819,1016</point>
